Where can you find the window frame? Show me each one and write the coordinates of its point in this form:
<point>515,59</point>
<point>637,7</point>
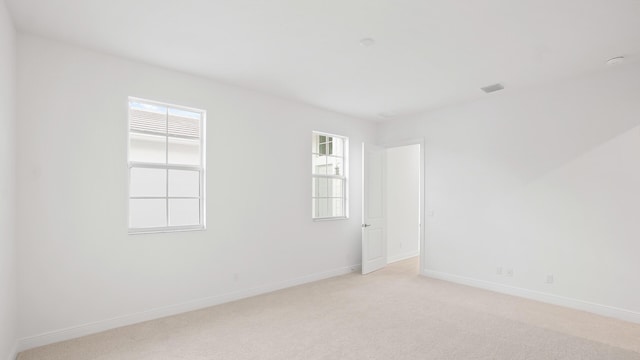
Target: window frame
<point>344,177</point>
<point>201,169</point>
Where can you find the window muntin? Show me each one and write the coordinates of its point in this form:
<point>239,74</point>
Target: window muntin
<point>329,176</point>
<point>166,167</point>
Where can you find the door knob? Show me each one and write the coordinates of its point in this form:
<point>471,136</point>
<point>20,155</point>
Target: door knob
<point>366,225</point>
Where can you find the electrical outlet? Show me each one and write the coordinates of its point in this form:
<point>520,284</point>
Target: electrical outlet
<point>550,279</point>
<point>498,271</point>
<point>509,272</point>
<point>236,277</point>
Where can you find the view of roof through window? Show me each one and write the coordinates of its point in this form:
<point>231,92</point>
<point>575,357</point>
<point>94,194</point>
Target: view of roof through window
<point>152,118</point>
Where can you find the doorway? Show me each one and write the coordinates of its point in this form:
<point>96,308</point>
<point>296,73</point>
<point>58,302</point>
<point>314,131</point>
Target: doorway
<point>403,194</point>
<point>393,205</point>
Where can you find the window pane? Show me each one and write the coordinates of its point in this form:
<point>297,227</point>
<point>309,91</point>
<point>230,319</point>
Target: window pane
<point>184,212</point>
<point>147,182</point>
<point>147,117</point>
<point>184,151</point>
<point>184,183</point>
<point>335,188</point>
<point>319,187</point>
<point>147,148</point>
<point>143,106</point>
<point>328,145</point>
<point>325,144</point>
<point>320,208</point>
<point>325,208</point>
<point>187,114</point>
<point>337,147</point>
<point>184,123</point>
<point>336,207</point>
<point>146,213</point>
<point>320,165</point>
<point>335,166</point>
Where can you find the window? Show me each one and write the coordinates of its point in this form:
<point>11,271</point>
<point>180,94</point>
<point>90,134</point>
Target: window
<point>329,176</point>
<point>166,167</point>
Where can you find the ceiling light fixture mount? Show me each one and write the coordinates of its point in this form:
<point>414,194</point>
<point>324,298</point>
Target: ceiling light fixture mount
<point>492,88</point>
<point>615,61</point>
<point>366,42</point>
<point>387,114</point>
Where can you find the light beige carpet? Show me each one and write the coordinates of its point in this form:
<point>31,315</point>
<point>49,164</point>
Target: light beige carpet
<point>390,314</point>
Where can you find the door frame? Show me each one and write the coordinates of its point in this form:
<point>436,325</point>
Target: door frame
<point>422,217</point>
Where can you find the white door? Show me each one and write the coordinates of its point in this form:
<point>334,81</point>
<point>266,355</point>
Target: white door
<point>374,240</point>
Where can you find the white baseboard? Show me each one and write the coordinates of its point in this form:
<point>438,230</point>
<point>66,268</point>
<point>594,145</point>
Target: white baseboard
<point>401,257</point>
<point>605,310</point>
<point>103,325</point>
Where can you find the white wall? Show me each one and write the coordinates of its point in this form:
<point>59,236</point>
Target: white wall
<point>77,264</point>
<point>544,181</point>
<point>7,185</point>
<point>403,202</point>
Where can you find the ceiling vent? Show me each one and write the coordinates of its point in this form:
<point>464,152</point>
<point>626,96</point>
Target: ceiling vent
<point>492,88</point>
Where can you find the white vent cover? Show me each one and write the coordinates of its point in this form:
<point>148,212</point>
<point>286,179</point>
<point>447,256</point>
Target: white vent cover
<point>492,88</point>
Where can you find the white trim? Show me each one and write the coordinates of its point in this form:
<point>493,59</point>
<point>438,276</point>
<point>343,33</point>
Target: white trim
<point>339,177</point>
<point>159,166</point>
<point>152,314</point>
<point>605,310</point>
<point>404,256</point>
<point>166,229</point>
<point>165,104</point>
<point>335,218</point>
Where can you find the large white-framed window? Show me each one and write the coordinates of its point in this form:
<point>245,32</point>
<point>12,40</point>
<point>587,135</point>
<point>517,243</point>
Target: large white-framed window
<point>166,158</point>
<point>329,173</point>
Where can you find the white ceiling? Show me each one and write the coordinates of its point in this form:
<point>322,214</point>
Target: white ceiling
<point>428,53</point>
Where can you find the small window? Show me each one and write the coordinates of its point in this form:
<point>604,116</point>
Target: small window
<point>166,167</point>
<point>329,176</point>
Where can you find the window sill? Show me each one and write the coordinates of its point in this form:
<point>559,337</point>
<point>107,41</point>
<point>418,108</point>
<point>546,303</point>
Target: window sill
<point>166,230</point>
<point>331,218</point>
